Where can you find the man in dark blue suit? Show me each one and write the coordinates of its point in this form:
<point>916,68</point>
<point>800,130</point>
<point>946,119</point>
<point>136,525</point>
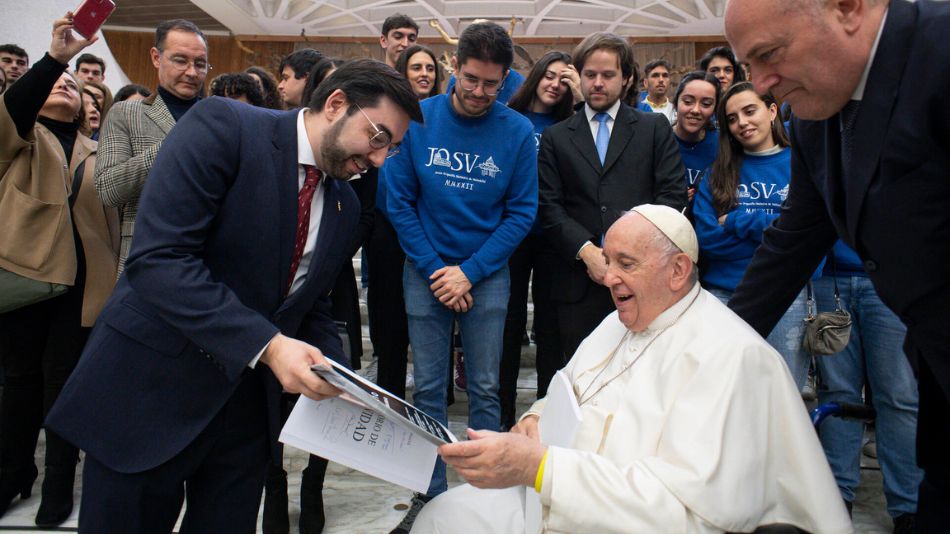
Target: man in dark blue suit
<point>241,231</point>
<point>868,81</point>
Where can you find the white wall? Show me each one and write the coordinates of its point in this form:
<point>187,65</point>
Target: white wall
<point>29,24</point>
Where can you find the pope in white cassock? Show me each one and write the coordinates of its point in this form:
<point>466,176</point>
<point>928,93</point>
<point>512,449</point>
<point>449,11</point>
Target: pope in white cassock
<point>691,421</point>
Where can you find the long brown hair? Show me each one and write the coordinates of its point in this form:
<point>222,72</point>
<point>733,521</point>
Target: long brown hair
<point>528,92</point>
<point>724,179</point>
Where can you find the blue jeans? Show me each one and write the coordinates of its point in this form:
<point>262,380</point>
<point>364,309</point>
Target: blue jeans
<point>786,337</point>
<point>430,335</point>
<point>874,350</point>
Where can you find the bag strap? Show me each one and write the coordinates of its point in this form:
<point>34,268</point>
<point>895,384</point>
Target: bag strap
<point>834,277</point>
<point>77,183</point>
<point>810,301</point>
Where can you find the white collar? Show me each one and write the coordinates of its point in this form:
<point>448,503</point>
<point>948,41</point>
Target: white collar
<point>612,111</point>
<point>304,150</point>
<point>859,90</point>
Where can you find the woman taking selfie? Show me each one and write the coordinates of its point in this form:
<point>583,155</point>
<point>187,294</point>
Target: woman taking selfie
<point>57,233</point>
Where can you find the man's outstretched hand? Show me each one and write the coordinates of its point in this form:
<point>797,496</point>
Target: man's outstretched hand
<point>290,361</point>
<point>495,460</point>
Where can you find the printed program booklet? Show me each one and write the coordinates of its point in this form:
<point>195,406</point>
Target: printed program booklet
<point>368,429</point>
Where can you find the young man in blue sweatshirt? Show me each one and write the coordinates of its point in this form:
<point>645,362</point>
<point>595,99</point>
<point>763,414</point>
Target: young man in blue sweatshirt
<point>462,194</point>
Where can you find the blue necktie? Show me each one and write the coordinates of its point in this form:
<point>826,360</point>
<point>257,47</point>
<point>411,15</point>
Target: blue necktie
<point>603,136</point>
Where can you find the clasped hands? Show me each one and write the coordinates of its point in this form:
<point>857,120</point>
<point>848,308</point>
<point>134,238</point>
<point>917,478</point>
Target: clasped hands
<point>498,459</point>
<point>452,288</point>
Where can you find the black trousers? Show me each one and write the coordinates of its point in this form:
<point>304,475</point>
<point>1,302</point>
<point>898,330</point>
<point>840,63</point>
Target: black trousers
<point>40,345</point>
<point>533,255</point>
<point>220,475</point>
<point>388,325</point>
<point>576,320</point>
<point>928,341</point>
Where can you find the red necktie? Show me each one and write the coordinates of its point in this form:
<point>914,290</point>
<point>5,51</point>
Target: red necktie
<point>304,199</point>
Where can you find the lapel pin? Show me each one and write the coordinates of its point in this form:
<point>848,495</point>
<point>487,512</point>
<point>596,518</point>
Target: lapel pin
<point>339,207</point>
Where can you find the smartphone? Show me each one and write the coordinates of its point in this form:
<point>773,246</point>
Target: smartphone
<point>91,15</point>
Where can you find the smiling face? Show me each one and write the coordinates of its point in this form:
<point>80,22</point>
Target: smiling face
<point>550,89</point>
<point>811,58</point>
<point>641,277</point>
<point>694,109</point>
<point>420,70</point>
<point>750,121</point>
<point>477,74</point>
<point>602,80</point>
<point>344,148</point>
<point>394,42</point>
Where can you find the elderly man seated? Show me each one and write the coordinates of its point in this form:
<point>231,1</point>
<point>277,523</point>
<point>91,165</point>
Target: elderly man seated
<point>691,421</point>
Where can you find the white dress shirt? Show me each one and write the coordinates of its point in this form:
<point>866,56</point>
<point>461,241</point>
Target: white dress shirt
<point>304,157</point>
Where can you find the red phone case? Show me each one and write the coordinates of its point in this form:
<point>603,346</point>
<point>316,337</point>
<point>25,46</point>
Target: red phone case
<point>91,15</point>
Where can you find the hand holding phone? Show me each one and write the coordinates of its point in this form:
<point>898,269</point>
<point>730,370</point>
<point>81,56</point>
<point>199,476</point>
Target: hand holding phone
<point>91,15</point>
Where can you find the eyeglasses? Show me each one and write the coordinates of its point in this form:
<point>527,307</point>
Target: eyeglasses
<point>380,139</point>
<point>470,83</point>
<point>182,64</point>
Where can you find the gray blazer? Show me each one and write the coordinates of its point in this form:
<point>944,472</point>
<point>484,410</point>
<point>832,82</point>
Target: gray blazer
<point>128,143</point>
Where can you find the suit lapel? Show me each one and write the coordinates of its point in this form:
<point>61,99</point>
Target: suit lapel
<point>583,139</point>
<point>159,114</point>
<point>877,105</point>
<point>620,136</point>
<point>286,177</point>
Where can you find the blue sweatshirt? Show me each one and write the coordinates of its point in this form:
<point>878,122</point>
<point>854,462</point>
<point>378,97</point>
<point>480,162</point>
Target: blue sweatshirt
<point>463,191</point>
<point>540,122</point>
<point>727,250</point>
<point>697,157</point>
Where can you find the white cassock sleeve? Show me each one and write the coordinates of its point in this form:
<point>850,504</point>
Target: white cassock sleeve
<point>736,451</point>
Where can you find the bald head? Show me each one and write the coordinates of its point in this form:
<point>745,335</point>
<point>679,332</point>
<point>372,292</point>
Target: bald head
<point>810,53</point>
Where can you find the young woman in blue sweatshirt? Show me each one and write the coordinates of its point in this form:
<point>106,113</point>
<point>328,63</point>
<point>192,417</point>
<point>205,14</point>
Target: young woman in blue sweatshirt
<point>739,197</point>
<point>545,98</point>
<point>695,131</point>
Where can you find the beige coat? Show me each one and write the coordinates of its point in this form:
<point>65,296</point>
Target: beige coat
<point>37,237</point>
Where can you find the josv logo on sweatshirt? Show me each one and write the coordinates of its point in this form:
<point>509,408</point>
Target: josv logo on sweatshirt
<point>459,162</point>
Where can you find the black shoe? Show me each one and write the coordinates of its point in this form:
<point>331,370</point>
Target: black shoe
<point>57,496</point>
<point>16,482</point>
<point>275,519</point>
<point>418,501</point>
<point>905,524</point>
<point>312,518</point>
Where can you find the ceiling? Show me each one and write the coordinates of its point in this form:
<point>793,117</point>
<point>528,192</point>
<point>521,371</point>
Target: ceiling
<point>364,18</point>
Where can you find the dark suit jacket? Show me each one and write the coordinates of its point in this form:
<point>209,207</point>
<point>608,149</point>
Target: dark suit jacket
<point>203,291</point>
<point>892,207</point>
<point>579,198</point>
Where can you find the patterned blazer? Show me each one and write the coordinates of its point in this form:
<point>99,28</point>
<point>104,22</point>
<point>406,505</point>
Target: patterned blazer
<point>130,138</point>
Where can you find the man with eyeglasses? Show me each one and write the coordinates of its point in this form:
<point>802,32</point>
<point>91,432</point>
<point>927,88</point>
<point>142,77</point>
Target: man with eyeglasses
<point>133,131</point>
<point>224,303</point>
<point>462,194</point>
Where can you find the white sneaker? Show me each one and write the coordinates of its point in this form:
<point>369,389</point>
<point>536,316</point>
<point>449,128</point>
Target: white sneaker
<point>370,371</point>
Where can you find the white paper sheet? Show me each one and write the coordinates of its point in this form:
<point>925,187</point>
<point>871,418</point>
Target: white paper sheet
<point>363,439</point>
<point>559,423</point>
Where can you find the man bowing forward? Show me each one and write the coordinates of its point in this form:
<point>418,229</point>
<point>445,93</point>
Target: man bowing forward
<point>242,228</point>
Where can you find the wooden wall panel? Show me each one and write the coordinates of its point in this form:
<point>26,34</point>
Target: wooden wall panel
<point>229,54</point>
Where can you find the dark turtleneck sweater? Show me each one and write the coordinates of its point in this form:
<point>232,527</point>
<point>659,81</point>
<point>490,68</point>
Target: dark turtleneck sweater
<point>176,106</point>
<point>25,99</point>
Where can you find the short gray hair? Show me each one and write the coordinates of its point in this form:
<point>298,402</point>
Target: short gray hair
<point>667,249</point>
